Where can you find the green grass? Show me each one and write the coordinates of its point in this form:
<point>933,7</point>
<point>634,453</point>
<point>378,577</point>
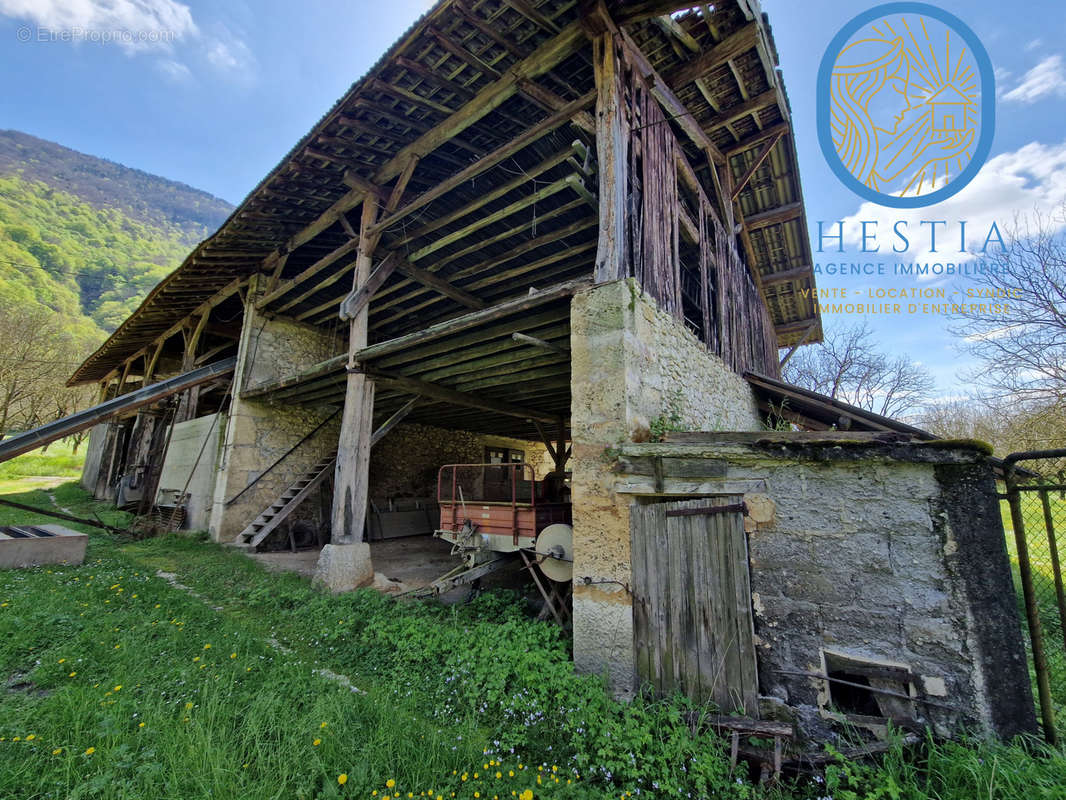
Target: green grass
<point>59,460</point>
<point>444,692</point>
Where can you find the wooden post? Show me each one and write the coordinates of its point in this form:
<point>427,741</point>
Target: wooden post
<point>190,400</point>
<point>353,449</point>
<point>612,148</point>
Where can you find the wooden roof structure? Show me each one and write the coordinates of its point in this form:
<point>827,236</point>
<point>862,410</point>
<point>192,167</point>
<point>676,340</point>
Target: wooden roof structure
<point>481,119</point>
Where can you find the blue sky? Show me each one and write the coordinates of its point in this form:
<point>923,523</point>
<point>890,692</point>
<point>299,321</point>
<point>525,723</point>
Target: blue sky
<point>215,94</point>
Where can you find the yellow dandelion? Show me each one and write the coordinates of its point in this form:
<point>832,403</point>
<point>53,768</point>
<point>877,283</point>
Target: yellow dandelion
<point>157,605</point>
<point>477,794</point>
<point>526,795</point>
<point>31,737</point>
<point>188,705</point>
<point>117,688</point>
<point>510,773</point>
<point>62,660</point>
<point>196,658</point>
<point>323,725</point>
<point>232,655</point>
<point>71,675</point>
<point>342,778</point>
<point>499,774</point>
<point>140,725</point>
<point>390,783</point>
<point>316,742</point>
<point>207,647</point>
<point>16,738</point>
<point>57,751</point>
<point>90,750</point>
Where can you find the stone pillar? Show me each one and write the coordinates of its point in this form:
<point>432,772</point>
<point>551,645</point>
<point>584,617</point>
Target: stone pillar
<point>257,433</point>
<point>631,362</point>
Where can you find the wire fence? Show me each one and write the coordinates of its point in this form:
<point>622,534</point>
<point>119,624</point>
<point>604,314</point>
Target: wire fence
<point>1035,520</point>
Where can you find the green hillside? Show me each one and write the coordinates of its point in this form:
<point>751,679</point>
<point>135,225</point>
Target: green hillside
<point>89,238</point>
<point>82,241</point>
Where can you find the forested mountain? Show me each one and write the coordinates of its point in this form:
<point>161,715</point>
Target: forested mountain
<point>82,240</point>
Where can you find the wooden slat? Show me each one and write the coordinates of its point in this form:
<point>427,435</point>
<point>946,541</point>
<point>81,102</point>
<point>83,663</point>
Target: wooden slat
<point>470,320</point>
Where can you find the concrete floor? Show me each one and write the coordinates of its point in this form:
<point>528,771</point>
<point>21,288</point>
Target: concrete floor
<point>399,565</point>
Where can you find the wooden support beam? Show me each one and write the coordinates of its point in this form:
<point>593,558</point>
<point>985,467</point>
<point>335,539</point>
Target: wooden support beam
<point>505,151</point>
<point>533,341</point>
<point>761,157</point>
<point>357,300</point>
<point>754,139</point>
<point>527,176</point>
<point>612,148</point>
<point>482,222</point>
<point>348,247</point>
<point>741,110</point>
<point>775,216</point>
<point>786,276</point>
<point>550,101</point>
<point>353,448</point>
<point>737,43</point>
<point>395,419</point>
<point>452,326</point>
<point>433,281</point>
<point>457,398</point>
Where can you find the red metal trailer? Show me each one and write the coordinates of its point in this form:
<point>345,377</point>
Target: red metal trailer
<point>490,512</point>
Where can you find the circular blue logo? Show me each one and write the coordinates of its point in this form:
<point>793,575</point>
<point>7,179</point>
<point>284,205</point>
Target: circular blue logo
<point>906,105</point>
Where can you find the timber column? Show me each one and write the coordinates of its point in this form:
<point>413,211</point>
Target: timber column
<point>345,562</point>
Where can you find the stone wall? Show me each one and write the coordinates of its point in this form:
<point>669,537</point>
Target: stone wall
<point>883,555</point>
<point>405,463</point>
<point>190,466</point>
<point>633,364</point>
<point>258,432</point>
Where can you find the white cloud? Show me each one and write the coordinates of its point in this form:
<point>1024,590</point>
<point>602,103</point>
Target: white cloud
<point>134,25</point>
<point>1046,78</point>
<point>228,53</point>
<point>1029,180</point>
<point>174,70</point>
<point>1034,44</point>
<point>152,27</point>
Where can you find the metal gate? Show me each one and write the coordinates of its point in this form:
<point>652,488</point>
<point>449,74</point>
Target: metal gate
<point>692,616</point>
<point>1036,496</point>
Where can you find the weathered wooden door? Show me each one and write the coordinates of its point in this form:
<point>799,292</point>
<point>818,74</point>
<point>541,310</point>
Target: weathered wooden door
<point>692,601</point>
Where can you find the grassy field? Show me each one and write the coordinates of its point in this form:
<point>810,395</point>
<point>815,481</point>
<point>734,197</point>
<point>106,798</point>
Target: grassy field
<point>244,684</point>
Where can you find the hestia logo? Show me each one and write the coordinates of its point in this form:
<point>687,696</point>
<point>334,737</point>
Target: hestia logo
<point>906,105</point>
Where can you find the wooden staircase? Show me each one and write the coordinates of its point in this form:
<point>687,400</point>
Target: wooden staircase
<point>263,525</point>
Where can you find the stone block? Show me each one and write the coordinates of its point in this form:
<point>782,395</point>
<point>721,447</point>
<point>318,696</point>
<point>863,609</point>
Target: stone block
<point>344,567</point>
<point>64,546</point>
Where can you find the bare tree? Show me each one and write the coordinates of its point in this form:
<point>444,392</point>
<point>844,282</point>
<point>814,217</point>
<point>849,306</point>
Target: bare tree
<point>1018,331</point>
<point>849,365</point>
<point>37,354</point>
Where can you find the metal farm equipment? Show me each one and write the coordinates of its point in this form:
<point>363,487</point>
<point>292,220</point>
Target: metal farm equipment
<point>493,513</point>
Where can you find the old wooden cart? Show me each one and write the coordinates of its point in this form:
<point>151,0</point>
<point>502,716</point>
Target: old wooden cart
<point>493,513</point>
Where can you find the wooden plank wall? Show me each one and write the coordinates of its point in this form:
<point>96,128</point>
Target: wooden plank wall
<point>732,318</point>
<point>692,614</point>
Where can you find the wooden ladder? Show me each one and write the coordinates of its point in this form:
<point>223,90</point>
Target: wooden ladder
<point>262,526</point>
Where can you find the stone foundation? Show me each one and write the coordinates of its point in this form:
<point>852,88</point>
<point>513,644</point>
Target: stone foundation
<point>866,556</point>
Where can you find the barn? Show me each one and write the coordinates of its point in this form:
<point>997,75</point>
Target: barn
<point>567,239</point>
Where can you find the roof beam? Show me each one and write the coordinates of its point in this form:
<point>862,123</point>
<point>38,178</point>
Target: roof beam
<point>775,216</point>
<point>738,42</point>
<point>505,151</point>
<point>428,279</point>
<point>550,101</point>
<point>453,397</point>
<point>467,321</point>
